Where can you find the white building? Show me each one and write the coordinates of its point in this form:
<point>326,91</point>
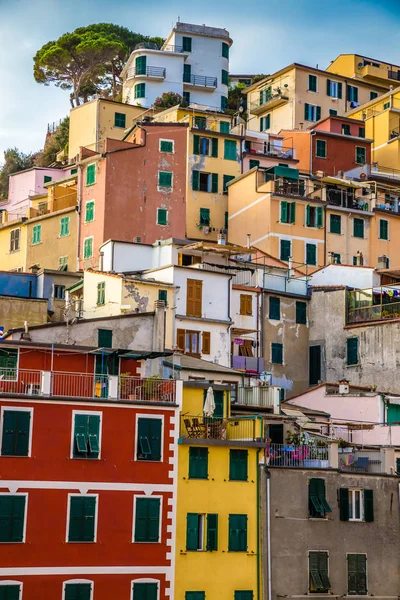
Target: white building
<point>193,62</point>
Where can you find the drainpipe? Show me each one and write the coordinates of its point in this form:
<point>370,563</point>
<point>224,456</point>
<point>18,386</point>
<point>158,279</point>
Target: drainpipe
<point>258,526</point>
<point>79,216</point>
<point>269,574</point>
<point>324,225</point>
<point>229,318</point>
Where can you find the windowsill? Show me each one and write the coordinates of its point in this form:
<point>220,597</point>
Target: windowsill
<point>383,240</point>
<point>120,126</point>
<point>336,233</point>
<point>162,224</point>
<point>313,91</point>
<point>153,460</point>
<point>349,366</point>
<point>36,243</point>
<point>14,251</point>
<point>92,221</point>
<point>15,455</point>
<point>164,188</point>
<point>60,237</point>
<point>89,184</point>
<point>85,458</point>
<point>81,542</point>
<point>323,157</point>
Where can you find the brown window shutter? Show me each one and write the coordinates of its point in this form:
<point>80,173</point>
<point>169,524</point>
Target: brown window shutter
<point>242,304</point>
<point>190,297</point>
<point>249,305</point>
<point>206,348</point>
<point>198,297</point>
<point>180,339</point>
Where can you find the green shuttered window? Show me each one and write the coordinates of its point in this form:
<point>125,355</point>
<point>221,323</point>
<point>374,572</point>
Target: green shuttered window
<point>357,574</point>
<point>88,248</point>
<point>149,439</point>
<point>195,595</point>
<point>320,151</point>
<point>89,213</point>
<point>253,163</point>
<point>301,313</point>
<point>229,150</point>
<point>347,511</point>
<point>212,532</point>
<point>352,93</point>
<point>312,112</point>
<point>318,572</point>
<point>311,254</point>
<point>64,226</point>
<point>162,216</point>
<point>224,127</point>
<point>277,353</point>
<point>285,249</point>
<point>243,595</point>
<point>10,592</point>
<point>361,155</point>
<point>82,512</point>
<point>86,436</point>
<point>383,229</point>
<point>140,65</point>
<point>317,504</point>
<point>187,44</point>
<point>120,118</point>
<point>78,591</point>
<point>47,179</point>
<point>335,224</point>
<point>288,212</point>
<point>104,338</point>
<point>187,73</point>
<point>145,591</point>
<point>224,103</point>
<point>37,234</point>
<point>198,463</point>
<point>193,541</point>
<point>274,308</point>
<point>147,520</point>
<point>205,217</point>
<point>164,179</point>
<point>265,122</point>
<point>312,83</point>
<point>224,77</point>
<point>225,50</point>
<point>12,518</point>
<point>226,179</point>
<point>163,296</point>
<point>238,465</point>
<point>101,293</point>
<point>16,431</point>
<point>91,175</point>
<point>167,146</point>
<point>140,90</point>
<point>334,89</point>
<point>237,533</point>
<point>352,351</point>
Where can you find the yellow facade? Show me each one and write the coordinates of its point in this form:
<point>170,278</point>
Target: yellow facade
<point>12,258</point>
<point>367,69</point>
<point>219,572</point>
<point>91,123</point>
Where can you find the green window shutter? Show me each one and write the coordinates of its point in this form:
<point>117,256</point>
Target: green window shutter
<point>12,517</point>
<point>308,216</point>
<point>358,228</point>
<point>163,296</point>
<point>328,87</point>
<point>147,520</point>
<point>335,224</point>
<point>261,124</point>
<point>224,127</point>
<point>196,144</point>
<point>149,439</point>
<point>383,229</point>
<point>361,155</point>
<point>64,226</point>
<point>229,150</point>
<point>243,595</point>
<point>237,533</point>
<point>120,118</point>
<point>162,216</point>
<point>274,308</point>
<point>78,591</point>
<point>321,491</point>
<point>86,436</point>
<point>315,507</point>
<point>187,44</point>
<point>187,73</point>
<point>225,50</point>
<point>145,591</point>
<point>340,90</point>
<point>312,83</point>
<point>313,565</point>
<point>192,531</point>
<point>344,504</point>
<point>319,216</point>
<point>212,532</point>
<point>195,595</point>
<point>355,94</point>
<point>8,363</point>
<point>285,250</point>
<point>164,179</point>
<point>332,113</point>
<point>352,351</point>
<point>318,113</point>
<point>15,439</point>
<point>277,353</point>
<point>82,512</point>
<point>205,217</point>
<point>301,313</point>
<point>89,214</point>
<point>88,248</point>
<point>311,254</point>
<point>214,147</point>
<point>369,505</point>
<point>373,95</point>
<point>267,121</point>
<point>238,465</point>
<point>195,180</point>
<point>323,570</point>
<point>10,592</point>
<point>226,179</point>
<point>37,234</point>
<point>253,163</point>
<point>320,149</point>
<point>198,463</point>
<point>104,338</point>
<point>284,212</point>
<point>90,174</point>
<point>362,574</point>
<point>224,77</point>
<point>357,574</point>
<point>140,65</point>
<point>46,179</point>
<point>166,146</point>
<point>292,212</point>
<point>101,293</point>
<point>214,183</point>
<point>306,111</point>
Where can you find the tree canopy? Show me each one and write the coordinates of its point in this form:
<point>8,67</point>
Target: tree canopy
<point>169,99</point>
<point>55,142</point>
<point>14,160</point>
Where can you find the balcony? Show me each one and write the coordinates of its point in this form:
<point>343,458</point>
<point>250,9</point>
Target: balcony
<point>250,364</point>
<point>347,199</point>
<point>314,455</point>
<point>361,461</point>
<point>269,149</point>
<point>395,75</point>
<point>373,304</point>
<point>232,429</point>
<point>271,101</point>
<point>208,83</point>
<point>260,396</point>
<point>23,382</point>
<point>172,48</point>
<point>148,72</point>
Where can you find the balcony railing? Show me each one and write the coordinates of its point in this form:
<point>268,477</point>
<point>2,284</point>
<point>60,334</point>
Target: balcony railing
<point>212,428</point>
<point>361,461</point>
<point>200,80</point>
<point>268,101</point>
<point>303,456</point>
<point>268,149</point>
<point>394,75</point>
<point>377,312</point>
<point>173,48</point>
<point>156,72</point>
<point>250,364</point>
<point>282,188</point>
<point>346,200</point>
<point>265,396</point>
<point>86,385</point>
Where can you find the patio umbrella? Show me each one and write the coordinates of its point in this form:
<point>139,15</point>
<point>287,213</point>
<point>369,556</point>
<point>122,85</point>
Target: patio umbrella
<point>209,404</point>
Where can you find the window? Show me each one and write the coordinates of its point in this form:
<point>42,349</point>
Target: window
<point>333,89</point>
<point>205,146</point>
<point>10,592</point>
<point>63,263</point>
<point>253,163</point>
<point>301,313</point>
<point>311,254</point>
<point>237,533</point>
<point>361,132</point>
<point>312,112</point>
<point>186,97</point>
<point>288,212</point>
<point>224,127</point>
<point>15,240</point>
<point>314,216</point>
<point>346,129</point>
<point>145,591</point>
<point>16,432</point>
<point>383,229</point>
<point>274,308</point>
<point>187,44</point>
<point>361,155</point>
<point>229,150</point>
<point>101,293</point>
<point>205,217</point>
<point>188,341</point>
<point>224,77</point>
<point>162,216</point>
<point>37,234</point>
<point>224,103</point>
<point>205,182</point>
<point>317,504</point>
<point>91,174</point>
<point>225,50</point>
<point>104,338</point>
<point>332,113</point>
<point>352,351</point>
<point>206,342</point>
<point>74,171</point>
<point>386,105</point>
<point>358,228</point>
<point>318,572</point>
<point>120,118</point>
<point>352,93</point>
<point>246,304</point>
<point>88,247</point>
<point>225,180</point>
<point>194,531</point>
<point>277,353</point>
<point>167,146</point>
<point>243,595</point>
<point>9,364</point>
<point>140,65</point>
<point>320,149</point>
<point>147,519</point>
<point>149,439</point>
<point>187,73</point>
<point>89,212</point>
<point>77,591</point>
<point>46,179</point>
<point>357,574</point>
<point>164,179</point>
<point>312,83</point>
<point>238,460</point>
<point>86,441</point>
<point>140,90</point>
<point>285,249</point>
<point>198,463</point>
<point>336,258</point>
<point>226,219</point>
<point>59,292</point>
<point>194,292</point>
<point>265,122</point>
<point>64,226</point>
<point>12,511</point>
<point>195,595</point>
<point>163,296</point>
<point>356,505</point>
<point>335,224</point>
<point>200,122</point>
<point>373,95</point>
<point>82,514</point>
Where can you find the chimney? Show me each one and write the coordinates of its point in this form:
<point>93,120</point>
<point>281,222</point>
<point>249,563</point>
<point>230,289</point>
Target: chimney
<point>158,344</point>
<point>344,387</point>
<point>248,240</point>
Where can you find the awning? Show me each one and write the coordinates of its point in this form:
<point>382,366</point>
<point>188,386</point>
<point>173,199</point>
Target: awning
<point>124,353</point>
<point>340,181</point>
<point>76,286</point>
<point>103,351</point>
<point>285,172</point>
<point>291,412</point>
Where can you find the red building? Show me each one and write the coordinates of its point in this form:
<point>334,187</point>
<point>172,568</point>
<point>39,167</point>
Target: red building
<point>332,145</point>
<point>88,470</point>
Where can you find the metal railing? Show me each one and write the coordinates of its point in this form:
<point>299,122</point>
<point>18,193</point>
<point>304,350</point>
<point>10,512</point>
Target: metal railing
<point>303,456</point>
<point>200,80</point>
<point>20,381</point>
<point>394,75</point>
<point>361,461</point>
<point>289,189</point>
<point>146,390</point>
<point>346,199</point>
<point>268,149</point>
<point>147,72</point>
<point>214,428</point>
<point>266,99</point>
<point>374,313</point>
<point>256,396</point>
<point>79,385</point>
<point>173,48</point>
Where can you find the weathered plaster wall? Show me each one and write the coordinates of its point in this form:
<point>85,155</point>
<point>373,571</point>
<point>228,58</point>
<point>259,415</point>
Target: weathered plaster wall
<point>15,311</point>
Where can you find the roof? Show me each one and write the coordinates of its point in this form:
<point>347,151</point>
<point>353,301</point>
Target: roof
<point>385,62</point>
<point>190,363</point>
<point>140,354</point>
<point>375,100</point>
<point>305,410</point>
<point>214,32</point>
<point>231,249</point>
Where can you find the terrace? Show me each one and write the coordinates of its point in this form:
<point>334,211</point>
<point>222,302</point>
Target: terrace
<point>222,430</point>
<point>373,304</point>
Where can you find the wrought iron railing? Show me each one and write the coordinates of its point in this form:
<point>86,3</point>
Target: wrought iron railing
<point>302,456</point>
<point>215,428</point>
<point>394,75</point>
<point>147,72</point>
<point>200,80</point>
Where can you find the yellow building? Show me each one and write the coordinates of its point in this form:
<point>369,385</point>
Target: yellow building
<point>218,553</point>
<point>297,96</point>
<point>366,69</point>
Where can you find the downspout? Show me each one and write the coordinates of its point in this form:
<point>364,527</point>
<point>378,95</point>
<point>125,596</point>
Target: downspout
<point>258,527</point>
<point>79,217</point>
<point>325,225</point>
<point>269,574</point>
<point>229,319</point>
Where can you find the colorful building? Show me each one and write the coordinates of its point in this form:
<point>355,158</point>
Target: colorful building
<point>366,69</point>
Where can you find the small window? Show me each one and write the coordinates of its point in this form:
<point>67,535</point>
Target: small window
<point>225,50</point>
<point>101,293</point>
<point>311,254</point>
<point>253,163</point>
<point>277,353</point>
<point>238,465</point>
<point>352,351</point>
<point>198,463</point>
<point>301,313</point>
<point>383,229</point>
<point>141,65</point>
<point>332,113</point>
<point>357,574</point>
<point>225,180</point>
<point>312,112</point>
<point>314,216</point>
<point>386,105</point>
<point>187,44</point>
<point>186,98</point>
<point>77,591</point>
<point>74,171</point>
<point>90,174</point>
<point>16,432</point>
<point>15,235</point>
<point>320,151</point>
<point>246,304</point>
<point>274,308</point>
<point>119,120</point>
<point>285,250</point>
<point>64,226</point>
<point>205,146</point>
<point>243,595</point>
<point>346,129</point>
<point>163,296</point>
<point>358,228</point>
<point>9,364</point>
<point>46,179</point>
<point>37,234</point>
<point>164,179</point>
<point>63,263</point>
<point>317,504</point>
<point>200,122</point>
<point>356,505</point>
<point>205,217</point>
<point>140,90</point>
<point>288,212</point>
<point>335,224</point>
<point>59,292</point>
<point>318,572</point>
<point>88,247</point>
<point>145,591</point>
<point>373,95</point>
<point>352,93</point>
<point>230,150</point>
<point>237,539</point>
<point>224,126</point>
<point>147,519</point>
<point>12,511</point>
<point>195,596</point>
<point>224,77</point>
<point>206,342</point>
<point>265,122</point>
<point>361,132</point>
<point>334,88</point>
<point>312,83</point>
<point>336,258</point>
<point>86,440</point>
<point>361,155</point>
<point>82,516</point>
<point>89,212</point>
<point>148,445</point>
<point>162,216</point>
<point>167,146</point>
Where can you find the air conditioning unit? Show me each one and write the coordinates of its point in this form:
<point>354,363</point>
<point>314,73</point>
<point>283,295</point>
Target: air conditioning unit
<point>382,262</point>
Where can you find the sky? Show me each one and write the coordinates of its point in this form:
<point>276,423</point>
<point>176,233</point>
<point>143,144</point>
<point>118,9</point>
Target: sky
<point>267,35</point>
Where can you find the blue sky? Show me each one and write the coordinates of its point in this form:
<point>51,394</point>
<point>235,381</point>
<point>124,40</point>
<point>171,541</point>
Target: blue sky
<point>267,35</point>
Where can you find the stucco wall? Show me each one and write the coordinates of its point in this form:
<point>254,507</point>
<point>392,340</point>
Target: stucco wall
<point>15,311</point>
<point>17,258</point>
